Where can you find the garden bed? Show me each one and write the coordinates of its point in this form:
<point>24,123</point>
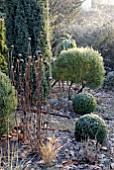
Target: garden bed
<point>73,155</point>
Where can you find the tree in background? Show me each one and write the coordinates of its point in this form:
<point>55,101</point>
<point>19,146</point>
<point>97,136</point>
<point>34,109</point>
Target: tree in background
<point>96,32</point>
<point>101,39</point>
<point>63,11</point>
<point>62,14</point>
<point>3,48</point>
<point>67,42</point>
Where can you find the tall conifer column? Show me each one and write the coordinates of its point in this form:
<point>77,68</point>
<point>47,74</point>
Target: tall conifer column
<point>24,19</point>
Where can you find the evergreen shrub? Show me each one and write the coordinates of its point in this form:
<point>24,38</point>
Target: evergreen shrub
<point>8,104</point>
<point>78,65</point>
<point>84,103</point>
<point>3,64</point>
<point>90,126</point>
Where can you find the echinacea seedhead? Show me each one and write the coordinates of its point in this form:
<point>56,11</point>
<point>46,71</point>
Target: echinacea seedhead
<point>12,47</point>
<point>29,57</point>
<point>50,78</point>
<point>21,60</point>
<point>20,55</point>
<point>29,39</point>
<point>17,60</point>
<point>45,62</point>
<point>38,53</point>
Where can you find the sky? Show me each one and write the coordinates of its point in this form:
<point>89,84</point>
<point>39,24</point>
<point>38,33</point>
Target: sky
<point>87,3</point>
<point>108,1</point>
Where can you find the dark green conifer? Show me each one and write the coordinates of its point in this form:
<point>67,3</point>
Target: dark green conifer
<point>2,8</point>
<point>27,18</point>
<point>11,6</point>
<point>21,31</point>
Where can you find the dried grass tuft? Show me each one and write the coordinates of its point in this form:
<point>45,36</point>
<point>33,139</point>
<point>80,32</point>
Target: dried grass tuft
<point>49,150</point>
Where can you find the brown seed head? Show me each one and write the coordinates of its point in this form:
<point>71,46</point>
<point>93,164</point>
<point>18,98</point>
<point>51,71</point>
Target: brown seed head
<point>12,46</point>
<point>20,55</point>
<point>29,39</point>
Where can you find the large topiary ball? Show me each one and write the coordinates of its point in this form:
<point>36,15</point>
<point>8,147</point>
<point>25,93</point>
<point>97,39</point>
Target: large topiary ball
<point>90,126</point>
<point>79,65</point>
<point>8,104</point>
<point>84,103</point>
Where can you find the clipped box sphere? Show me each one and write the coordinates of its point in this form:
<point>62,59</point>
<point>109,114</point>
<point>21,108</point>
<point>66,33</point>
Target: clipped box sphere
<point>84,103</point>
<point>90,126</point>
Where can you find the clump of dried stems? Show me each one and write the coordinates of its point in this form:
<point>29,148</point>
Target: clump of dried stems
<point>88,151</point>
<point>31,122</point>
<point>20,72</point>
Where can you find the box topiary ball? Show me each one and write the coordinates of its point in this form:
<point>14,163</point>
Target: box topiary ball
<point>90,126</point>
<point>84,103</point>
<point>8,104</point>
